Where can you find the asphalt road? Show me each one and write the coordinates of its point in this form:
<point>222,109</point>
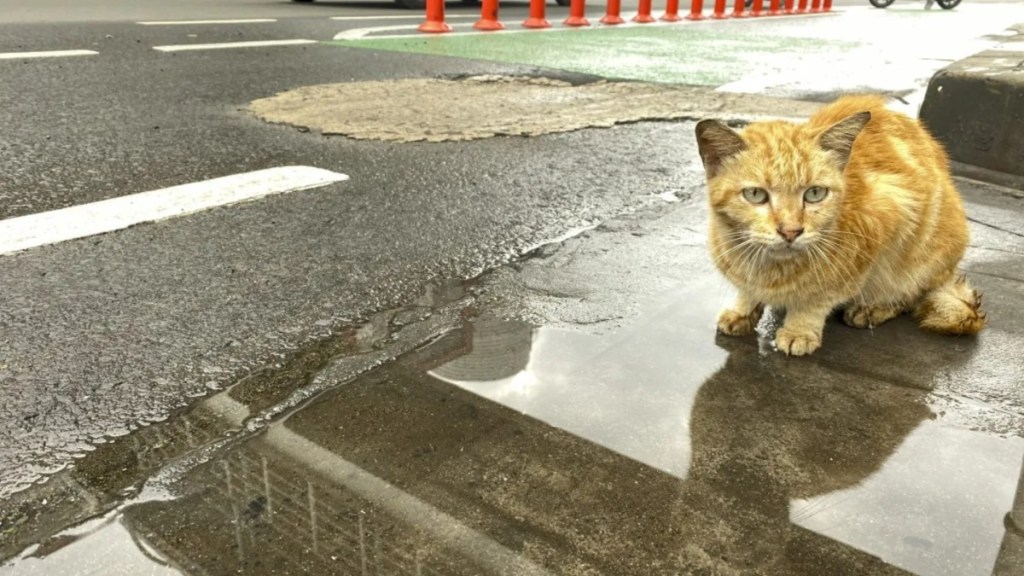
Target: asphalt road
<point>104,334</point>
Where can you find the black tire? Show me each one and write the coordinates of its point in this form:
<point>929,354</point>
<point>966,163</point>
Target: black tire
<point>562,2</point>
<point>882,3</point>
<point>411,4</point>
<point>948,4</point>
<point>302,1</point>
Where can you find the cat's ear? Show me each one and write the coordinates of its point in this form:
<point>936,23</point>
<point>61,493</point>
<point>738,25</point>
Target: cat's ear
<point>840,136</point>
<point>716,142</point>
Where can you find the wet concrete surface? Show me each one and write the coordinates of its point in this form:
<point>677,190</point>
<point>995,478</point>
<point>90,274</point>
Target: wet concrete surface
<point>575,413</point>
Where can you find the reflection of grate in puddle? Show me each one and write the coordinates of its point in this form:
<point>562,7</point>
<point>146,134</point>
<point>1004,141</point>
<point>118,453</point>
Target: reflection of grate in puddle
<point>154,445</point>
<point>302,515</point>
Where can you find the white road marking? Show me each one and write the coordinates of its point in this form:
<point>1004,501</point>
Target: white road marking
<point>363,32</point>
<point>414,16</point>
<point>188,22</point>
<point>50,54</point>
<point>250,44</point>
<point>34,230</point>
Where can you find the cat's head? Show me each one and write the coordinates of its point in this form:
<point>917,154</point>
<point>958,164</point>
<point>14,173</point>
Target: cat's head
<point>777,185</point>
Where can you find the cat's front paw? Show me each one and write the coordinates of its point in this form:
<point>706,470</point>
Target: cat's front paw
<point>797,342</point>
<point>732,323</point>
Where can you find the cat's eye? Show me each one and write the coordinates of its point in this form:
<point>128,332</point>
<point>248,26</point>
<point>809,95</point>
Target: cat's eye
<point>755,195</point>
<point>815,194</point>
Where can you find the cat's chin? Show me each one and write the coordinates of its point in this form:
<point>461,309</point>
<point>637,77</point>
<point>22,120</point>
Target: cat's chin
<point>785,251</point>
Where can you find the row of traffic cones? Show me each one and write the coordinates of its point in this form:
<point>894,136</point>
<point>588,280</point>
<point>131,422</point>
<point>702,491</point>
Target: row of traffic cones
<point>489,13</point>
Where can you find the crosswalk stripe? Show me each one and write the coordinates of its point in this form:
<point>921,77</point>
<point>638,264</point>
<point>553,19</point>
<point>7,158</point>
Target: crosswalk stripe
<point>84,220</point>
<point>48,54</point>
<point>222,45</point>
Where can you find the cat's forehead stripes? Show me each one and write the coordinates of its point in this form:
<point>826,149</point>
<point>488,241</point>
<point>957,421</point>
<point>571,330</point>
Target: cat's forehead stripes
<point>780,156</point>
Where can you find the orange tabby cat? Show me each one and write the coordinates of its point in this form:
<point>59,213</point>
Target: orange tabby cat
<point>854,209</point>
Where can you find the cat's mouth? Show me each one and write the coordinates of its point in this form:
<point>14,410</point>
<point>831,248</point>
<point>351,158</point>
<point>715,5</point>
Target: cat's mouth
<point>786,250</point>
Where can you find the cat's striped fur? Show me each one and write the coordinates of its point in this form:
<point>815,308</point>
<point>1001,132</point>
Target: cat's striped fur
<point>885,238</point>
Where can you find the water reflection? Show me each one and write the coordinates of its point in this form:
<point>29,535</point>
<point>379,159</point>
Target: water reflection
<point>799,455</point>
<point>631,391</point>
<point>503,448</point>
<point>94,548</point>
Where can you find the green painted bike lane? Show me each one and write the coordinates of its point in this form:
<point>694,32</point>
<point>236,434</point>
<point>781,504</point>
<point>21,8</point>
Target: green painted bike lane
<point>679,54</point>
<point>891,51</point>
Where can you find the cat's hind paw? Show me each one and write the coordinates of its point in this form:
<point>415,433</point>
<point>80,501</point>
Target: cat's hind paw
<point>954,308</point>
<point>864,316</point>
<point>733,323</point>
<point>797,342</point>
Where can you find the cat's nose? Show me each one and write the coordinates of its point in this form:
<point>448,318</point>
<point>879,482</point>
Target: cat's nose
<point>789,234</point>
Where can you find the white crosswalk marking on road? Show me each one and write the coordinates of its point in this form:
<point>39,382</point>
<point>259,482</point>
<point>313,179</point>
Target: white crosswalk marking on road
<point>222,45</point>
<point>49,54</point>
<point>188,22</point>
<point>84,220</point>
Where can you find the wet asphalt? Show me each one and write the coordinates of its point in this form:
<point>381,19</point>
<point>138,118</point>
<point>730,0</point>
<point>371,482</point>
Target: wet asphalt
<point>218,393</point>
<point>112,331</point>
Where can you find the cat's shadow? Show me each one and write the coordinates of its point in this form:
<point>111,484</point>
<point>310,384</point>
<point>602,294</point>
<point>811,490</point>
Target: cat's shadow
<point>768,430</point>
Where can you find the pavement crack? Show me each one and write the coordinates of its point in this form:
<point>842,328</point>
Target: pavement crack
<point>994,227</point>
<point>1002,250</point>
<point>999,276</point>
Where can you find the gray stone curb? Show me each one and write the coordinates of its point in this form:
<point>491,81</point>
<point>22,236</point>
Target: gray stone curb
<point>976,108</point>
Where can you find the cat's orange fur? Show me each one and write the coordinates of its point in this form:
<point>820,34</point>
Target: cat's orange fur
<point>886,238</point>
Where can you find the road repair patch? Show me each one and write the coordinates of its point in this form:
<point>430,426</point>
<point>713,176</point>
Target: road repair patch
<point>438,110</point>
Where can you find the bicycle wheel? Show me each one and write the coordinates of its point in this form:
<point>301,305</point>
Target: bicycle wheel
<point>948,4</point>
<point>883,3</point>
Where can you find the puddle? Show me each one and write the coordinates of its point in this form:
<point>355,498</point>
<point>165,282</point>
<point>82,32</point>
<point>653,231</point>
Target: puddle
<point>93,548</point>
<point>626,391</point>
<point>146,464</point>
<point>656,448</point>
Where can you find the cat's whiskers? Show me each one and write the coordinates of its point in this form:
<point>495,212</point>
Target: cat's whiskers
<point>813,252</point>
<point>837,266</point>
<point>742,259</point>
<point>732,249</point>
<point>839,244</point>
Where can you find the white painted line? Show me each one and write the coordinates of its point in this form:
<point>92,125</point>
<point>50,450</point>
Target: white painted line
<point>415,16</point>
<point>356,33</point>
<point>84,220</point>
<point>189,22</point>
<point>251,44</point>
<point>51,54</point>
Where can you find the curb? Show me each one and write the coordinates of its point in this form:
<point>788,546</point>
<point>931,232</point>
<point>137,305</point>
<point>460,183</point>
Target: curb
<point>975,107</point>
